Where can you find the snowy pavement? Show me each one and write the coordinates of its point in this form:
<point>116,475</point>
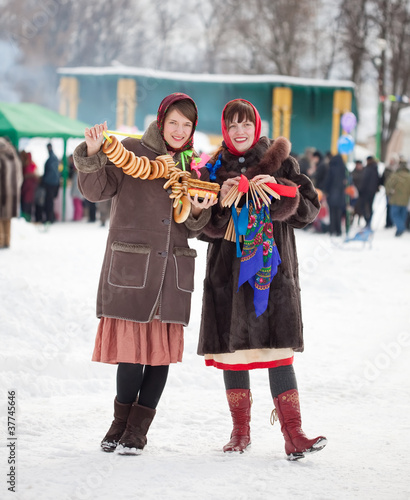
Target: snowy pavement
<point>353,382</point>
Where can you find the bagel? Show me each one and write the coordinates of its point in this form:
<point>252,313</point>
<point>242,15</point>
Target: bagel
<point>121,156</point>
<point>154,170</point>
<point>166,169</point>
<point>129,161</point>
<point>147,168</point>
<point>130,164</point>
<point>116,153</point>
<point>134,167</point>
<point>182,210</point>
<point>167,161</point>
<point>109,146</point>
<point>125,160</point>
<point>163,162</point>
<point>161,168</point>
<point>139,167</point>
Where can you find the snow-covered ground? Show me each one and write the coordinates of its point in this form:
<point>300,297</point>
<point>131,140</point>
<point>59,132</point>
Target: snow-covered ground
<point>353,381</point>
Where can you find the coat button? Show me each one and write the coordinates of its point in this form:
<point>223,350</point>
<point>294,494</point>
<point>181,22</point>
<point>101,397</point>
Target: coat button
<point>166,222</point>
<point>243,170</point>
<point>163,254</point>
<point>241,159</point>
<point>169,190</point>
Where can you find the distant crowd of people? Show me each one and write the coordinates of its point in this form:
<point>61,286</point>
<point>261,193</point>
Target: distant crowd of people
<point>39,193</point>
<point>348,195</point>
<point>26,193</point>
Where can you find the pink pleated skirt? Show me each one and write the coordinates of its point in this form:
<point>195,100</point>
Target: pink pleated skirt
<point>123,341</point>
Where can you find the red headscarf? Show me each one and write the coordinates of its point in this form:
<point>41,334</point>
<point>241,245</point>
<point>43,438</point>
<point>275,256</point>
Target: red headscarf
<point>162,111</point>
<point>227,139</point>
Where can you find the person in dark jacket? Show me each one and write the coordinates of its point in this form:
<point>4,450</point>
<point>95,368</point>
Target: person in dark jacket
<point>51,182</point>
<point>398,191</point>
<point>335,186</point>
<point>370,185</point>
<point>320,170</point>
<point>390,168</point>
<point>147,277</point>
<point>251,313</point>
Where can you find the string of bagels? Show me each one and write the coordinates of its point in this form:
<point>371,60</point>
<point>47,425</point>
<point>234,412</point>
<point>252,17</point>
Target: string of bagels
<point>181,181</point>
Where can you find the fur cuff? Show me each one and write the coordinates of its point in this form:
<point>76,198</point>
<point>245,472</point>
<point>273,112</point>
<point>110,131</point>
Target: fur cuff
<point>216,228</point>
<point>198,224</point>
<point>284,208</point>
<point>185,252</point>
<point>88,164</point>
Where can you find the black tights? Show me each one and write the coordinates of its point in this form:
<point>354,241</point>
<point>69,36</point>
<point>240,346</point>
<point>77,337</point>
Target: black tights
<point>281,379</point>
<point>147,382</point>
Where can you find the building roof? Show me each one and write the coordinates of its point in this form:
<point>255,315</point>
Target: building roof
<point>121,70</point>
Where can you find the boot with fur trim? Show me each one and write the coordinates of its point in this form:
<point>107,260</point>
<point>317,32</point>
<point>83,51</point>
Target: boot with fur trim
<point>134,439</point>
<point>239,401</point>
<point>297,445</point>
<point>121,412</point>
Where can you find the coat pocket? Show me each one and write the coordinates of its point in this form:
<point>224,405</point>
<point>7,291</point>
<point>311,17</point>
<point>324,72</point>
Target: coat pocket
<point>184,259</point>
<point>129,265</point>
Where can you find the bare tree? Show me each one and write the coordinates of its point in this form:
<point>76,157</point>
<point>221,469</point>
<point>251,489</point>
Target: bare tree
<point>390,24</point>
<point>279,31</point>
<point>214,33</point>
<point>57,33</point>
<point>399,65</point>
<point>354,28</point>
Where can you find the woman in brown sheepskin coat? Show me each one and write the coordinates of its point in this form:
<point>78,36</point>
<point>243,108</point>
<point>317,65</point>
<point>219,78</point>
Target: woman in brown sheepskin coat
<point>251,316</point>
<point>147,277</point>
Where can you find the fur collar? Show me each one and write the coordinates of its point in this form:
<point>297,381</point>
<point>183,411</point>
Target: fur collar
<point>152,139</point>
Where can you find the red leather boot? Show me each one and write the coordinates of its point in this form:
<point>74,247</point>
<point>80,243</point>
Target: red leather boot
<point>239,401</point>
<point>297,445</point>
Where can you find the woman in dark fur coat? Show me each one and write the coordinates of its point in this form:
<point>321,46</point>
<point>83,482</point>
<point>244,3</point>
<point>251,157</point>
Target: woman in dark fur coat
<point>251,316</point>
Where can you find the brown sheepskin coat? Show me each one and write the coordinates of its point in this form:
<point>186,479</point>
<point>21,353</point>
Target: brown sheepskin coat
<point>148,266</point>
<point>11,177</point>
<point>229,322</point>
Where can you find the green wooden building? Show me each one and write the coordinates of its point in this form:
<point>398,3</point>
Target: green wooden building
<point>307,111</point>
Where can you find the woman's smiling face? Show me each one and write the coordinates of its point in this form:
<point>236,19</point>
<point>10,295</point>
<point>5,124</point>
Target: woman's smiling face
<point>241,134</point>
<point>177,129</point>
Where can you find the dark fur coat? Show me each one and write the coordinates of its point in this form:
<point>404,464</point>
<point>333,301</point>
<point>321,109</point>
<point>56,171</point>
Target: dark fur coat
<point>229,322</point>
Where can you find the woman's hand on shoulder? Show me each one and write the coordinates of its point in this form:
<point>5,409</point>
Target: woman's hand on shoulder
<point>263,179</point>
<point>94,138</point>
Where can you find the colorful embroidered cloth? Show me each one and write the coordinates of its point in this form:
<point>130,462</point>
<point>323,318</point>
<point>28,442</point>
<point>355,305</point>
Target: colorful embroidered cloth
<point>260,256</point>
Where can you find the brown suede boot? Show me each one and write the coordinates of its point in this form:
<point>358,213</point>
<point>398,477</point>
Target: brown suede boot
<point>134,438</point>
<point>121,412</point>
<point>297,445</point>
<point>239,401</point>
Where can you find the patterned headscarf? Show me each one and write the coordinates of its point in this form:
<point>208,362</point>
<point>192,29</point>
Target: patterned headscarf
<point>162,111</point>
<point>227,139</point>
